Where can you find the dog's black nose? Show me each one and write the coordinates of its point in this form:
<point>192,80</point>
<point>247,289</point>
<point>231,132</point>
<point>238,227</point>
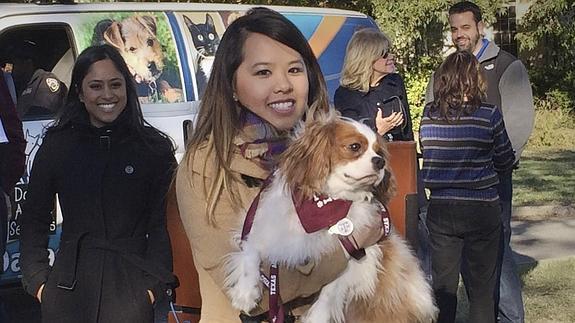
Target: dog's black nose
<point>378,162</point>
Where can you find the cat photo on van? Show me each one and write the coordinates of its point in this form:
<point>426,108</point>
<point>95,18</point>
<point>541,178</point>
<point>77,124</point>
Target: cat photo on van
<point>206,40</point>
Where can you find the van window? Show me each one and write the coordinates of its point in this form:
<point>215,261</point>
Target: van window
<point>30,53</point>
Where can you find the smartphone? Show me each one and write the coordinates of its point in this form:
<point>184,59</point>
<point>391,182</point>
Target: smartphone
<point>390,105</point>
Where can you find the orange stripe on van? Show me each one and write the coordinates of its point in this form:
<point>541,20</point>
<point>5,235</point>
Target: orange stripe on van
<point>325,33</point>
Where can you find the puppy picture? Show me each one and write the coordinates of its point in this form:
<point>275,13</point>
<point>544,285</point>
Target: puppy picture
<point>136,38</point>
<point>332,160</point>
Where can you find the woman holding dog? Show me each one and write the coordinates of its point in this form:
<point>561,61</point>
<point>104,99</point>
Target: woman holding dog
<point>371,90</point>
<point>254,98</point>
<point>111,171</point>
<point>464,146</point>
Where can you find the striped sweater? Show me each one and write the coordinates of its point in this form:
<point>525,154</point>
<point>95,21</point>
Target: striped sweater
<point>461,158</point>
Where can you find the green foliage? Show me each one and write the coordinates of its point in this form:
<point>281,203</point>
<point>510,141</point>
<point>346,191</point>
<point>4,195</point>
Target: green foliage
<point>418,29</point>
<point>553,128</point>
<point>555,99</point>
<point>547,38</point>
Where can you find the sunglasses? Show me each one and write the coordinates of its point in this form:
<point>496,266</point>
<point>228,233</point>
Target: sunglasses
<point>385,54</point>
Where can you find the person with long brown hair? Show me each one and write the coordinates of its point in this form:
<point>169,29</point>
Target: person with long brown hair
<point>110,171</point>
<point>465,145</point>
<point>265,80</point>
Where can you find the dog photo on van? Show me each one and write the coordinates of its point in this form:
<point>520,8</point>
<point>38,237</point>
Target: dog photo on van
<point>206,39</point>
<point>136,37</point>
<point>341,165</point>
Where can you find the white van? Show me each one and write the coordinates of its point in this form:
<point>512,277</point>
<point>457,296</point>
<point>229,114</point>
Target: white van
<point>171,55</point>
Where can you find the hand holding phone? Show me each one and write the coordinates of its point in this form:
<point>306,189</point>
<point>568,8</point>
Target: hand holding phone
<point>385,124</point>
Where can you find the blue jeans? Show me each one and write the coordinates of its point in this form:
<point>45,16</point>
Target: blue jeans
<point>465,234</point>
<point>510,298</point>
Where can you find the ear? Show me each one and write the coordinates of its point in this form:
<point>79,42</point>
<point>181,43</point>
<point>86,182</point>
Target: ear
<point>188,21</point>
<point>99,30</point>
<point>113,35</point>
<point>385,191</point>
<point>481,28</point>
<point>306,163</point>
<point>80,96</point>
<point>149,22</point>
<point>209,20</point>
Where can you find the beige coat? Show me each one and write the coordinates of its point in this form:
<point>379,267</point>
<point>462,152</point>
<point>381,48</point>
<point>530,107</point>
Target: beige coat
<point>210,244</point>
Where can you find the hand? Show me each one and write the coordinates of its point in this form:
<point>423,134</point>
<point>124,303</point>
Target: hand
<point>39,293</point>
<point>384,125</point>
<point>368,236</point>
<point>151,295</point>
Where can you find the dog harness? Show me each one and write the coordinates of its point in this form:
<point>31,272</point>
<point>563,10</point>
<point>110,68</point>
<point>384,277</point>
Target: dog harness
<point>315,214</point>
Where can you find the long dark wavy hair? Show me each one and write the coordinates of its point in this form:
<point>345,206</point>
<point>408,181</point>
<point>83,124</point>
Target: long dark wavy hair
<point>74,109</point>
<point>219,118</point>
<point>458,86</point>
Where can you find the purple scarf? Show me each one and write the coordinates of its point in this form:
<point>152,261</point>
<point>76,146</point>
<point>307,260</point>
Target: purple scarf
<point>259,141</point>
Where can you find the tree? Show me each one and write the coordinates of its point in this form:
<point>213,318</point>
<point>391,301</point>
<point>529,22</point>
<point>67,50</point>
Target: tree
<point>547,40</point>
<point>418,30</point>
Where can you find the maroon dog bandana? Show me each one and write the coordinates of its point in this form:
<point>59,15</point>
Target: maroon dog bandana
<point>319,212</point>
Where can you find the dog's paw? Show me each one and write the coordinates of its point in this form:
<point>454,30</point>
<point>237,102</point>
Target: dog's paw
<point>245,296</point>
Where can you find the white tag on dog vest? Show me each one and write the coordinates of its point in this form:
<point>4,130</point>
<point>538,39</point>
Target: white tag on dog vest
<point>343,227</point>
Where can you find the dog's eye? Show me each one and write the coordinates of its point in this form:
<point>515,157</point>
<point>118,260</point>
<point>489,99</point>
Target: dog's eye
<point>150,42</point>
<point>132,49</point>
<point>355,147</point>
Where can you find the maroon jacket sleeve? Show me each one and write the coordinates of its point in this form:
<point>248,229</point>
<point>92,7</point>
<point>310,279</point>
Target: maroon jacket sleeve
<point>12,154</point>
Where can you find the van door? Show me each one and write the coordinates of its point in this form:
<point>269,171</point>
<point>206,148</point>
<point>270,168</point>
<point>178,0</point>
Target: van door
<point>146,40</point>
<point>37,55</point>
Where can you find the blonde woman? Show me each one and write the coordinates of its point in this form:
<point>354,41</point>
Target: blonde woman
<point>371,90</point>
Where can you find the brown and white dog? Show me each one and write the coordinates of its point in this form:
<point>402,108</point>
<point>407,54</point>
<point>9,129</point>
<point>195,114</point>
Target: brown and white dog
<point>346,160</point>
<point>136,40</point>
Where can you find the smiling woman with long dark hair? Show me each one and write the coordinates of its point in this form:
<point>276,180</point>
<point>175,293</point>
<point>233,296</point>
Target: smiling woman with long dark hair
<point>110,171</point>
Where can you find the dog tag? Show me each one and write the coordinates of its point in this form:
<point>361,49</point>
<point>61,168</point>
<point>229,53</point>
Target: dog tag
<point>343,227</point>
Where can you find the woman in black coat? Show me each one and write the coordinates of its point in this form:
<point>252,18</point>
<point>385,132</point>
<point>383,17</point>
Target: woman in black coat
<point>370,89</point>
<point>111,172</point>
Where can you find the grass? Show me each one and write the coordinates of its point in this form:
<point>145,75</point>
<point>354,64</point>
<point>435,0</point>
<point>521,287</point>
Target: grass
<point>548,293</point>
<point>545,176</point>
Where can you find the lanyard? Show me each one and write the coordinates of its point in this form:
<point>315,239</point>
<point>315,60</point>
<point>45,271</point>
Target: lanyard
<point>483,47</point>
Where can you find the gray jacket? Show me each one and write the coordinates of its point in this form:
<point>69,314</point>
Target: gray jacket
<point>508,87</point>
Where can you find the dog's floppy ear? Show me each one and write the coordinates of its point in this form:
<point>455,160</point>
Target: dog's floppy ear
<point>149,23</point>
<point>99,30</point>
<point>113,35</point>
<point>385,191</point>
<point>306,162</point>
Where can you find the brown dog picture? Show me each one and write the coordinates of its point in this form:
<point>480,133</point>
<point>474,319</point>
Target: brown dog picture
<point>136,38</point>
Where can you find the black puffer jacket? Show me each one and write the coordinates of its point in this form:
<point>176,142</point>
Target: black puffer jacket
<point>111,187</point>
<point>363,106</point>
